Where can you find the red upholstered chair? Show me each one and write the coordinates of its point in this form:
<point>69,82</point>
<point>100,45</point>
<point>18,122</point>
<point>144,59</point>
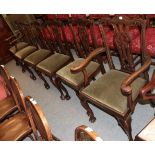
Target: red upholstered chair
<point>97,16</point>
<point>51,16</point>
<point>150,20</point>
<point>62,16</point>
<point>78,16</point>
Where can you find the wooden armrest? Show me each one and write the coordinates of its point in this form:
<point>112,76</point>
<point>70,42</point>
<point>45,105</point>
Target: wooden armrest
<point>146,90</point>
<point>88,131</point>
<point>125,87</point>
<point>86,61</point>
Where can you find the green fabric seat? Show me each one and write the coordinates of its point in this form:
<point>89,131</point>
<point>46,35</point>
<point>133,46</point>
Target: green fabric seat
<point>53,63</point>
<point>37,56</point>
<point>107,90</point>
<point>78,78</point>
<point>18,47</point>
<point>25,52</point>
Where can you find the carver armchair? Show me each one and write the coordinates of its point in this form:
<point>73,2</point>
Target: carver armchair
<point>116,91</point>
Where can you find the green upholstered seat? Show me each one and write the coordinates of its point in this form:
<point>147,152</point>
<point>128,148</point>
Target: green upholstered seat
<point>37,56</point>
<point>107,90</point>
<point>18,47</point>
<point>53,63</point>
<point>76,79</point>
<point>6,107</point>
<point>25,52</point>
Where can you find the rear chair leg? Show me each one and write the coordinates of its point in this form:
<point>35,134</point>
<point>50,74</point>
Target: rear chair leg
<point>126,125</point>
<point>47,86</point>
<point>58,86</point>
<point>32,76</point>
<point>90,113</point>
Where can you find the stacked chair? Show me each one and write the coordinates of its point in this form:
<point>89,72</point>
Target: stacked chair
<point>29,120</point>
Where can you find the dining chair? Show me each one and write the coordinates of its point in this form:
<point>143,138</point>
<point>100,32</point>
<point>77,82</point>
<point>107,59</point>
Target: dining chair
<point>78,81</point>
<point>117,91</point>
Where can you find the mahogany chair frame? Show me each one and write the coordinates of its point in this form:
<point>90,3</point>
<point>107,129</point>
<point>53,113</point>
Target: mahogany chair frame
<point>56,27</point>
<point>126,65</point>
<point>82,53</point>
<point>43,44</point>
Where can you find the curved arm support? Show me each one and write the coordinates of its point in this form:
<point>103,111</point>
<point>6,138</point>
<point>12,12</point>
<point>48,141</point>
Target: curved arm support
<point>86,61</point>
<point>146,90</point>
<point>125,87</point>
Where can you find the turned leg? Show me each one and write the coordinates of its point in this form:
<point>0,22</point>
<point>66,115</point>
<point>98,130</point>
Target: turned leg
<point>126,125</point>
<point>47,86</point>
<point>56,83</point>
<point>32,76</point>
<point>90,113</point>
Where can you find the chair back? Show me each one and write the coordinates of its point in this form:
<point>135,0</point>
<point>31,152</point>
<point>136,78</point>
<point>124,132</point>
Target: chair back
<point>82,34</point>
<point>123,29</point>
<point>39,120</point>
<point>5,75</point>
<point>18,95</point>
<point>84,133</point>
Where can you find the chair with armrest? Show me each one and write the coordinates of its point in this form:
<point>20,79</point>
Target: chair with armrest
<point>117,91</point>
<point>7,105</point>
<point>78,81</point>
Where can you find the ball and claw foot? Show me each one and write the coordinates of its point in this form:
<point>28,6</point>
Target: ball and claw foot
<point>67,97</point>
<point>33,77</point>
<point>17,64</point>
<point>88,113</point>
<point>46,86</point>
<point>92,119</point>
<point>62,97</point>
<point>23,70</point>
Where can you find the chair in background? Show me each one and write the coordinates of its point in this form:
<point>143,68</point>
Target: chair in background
<point>117,91</point>
<point>43,132</point>
<point>7,105</point>
<point>17,127</point>
<point>84,133</point>
<point>79,81</point>
<point>56,61</point>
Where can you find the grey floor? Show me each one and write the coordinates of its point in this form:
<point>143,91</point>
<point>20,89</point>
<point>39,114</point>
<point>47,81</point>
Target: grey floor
<point>64,116</point>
